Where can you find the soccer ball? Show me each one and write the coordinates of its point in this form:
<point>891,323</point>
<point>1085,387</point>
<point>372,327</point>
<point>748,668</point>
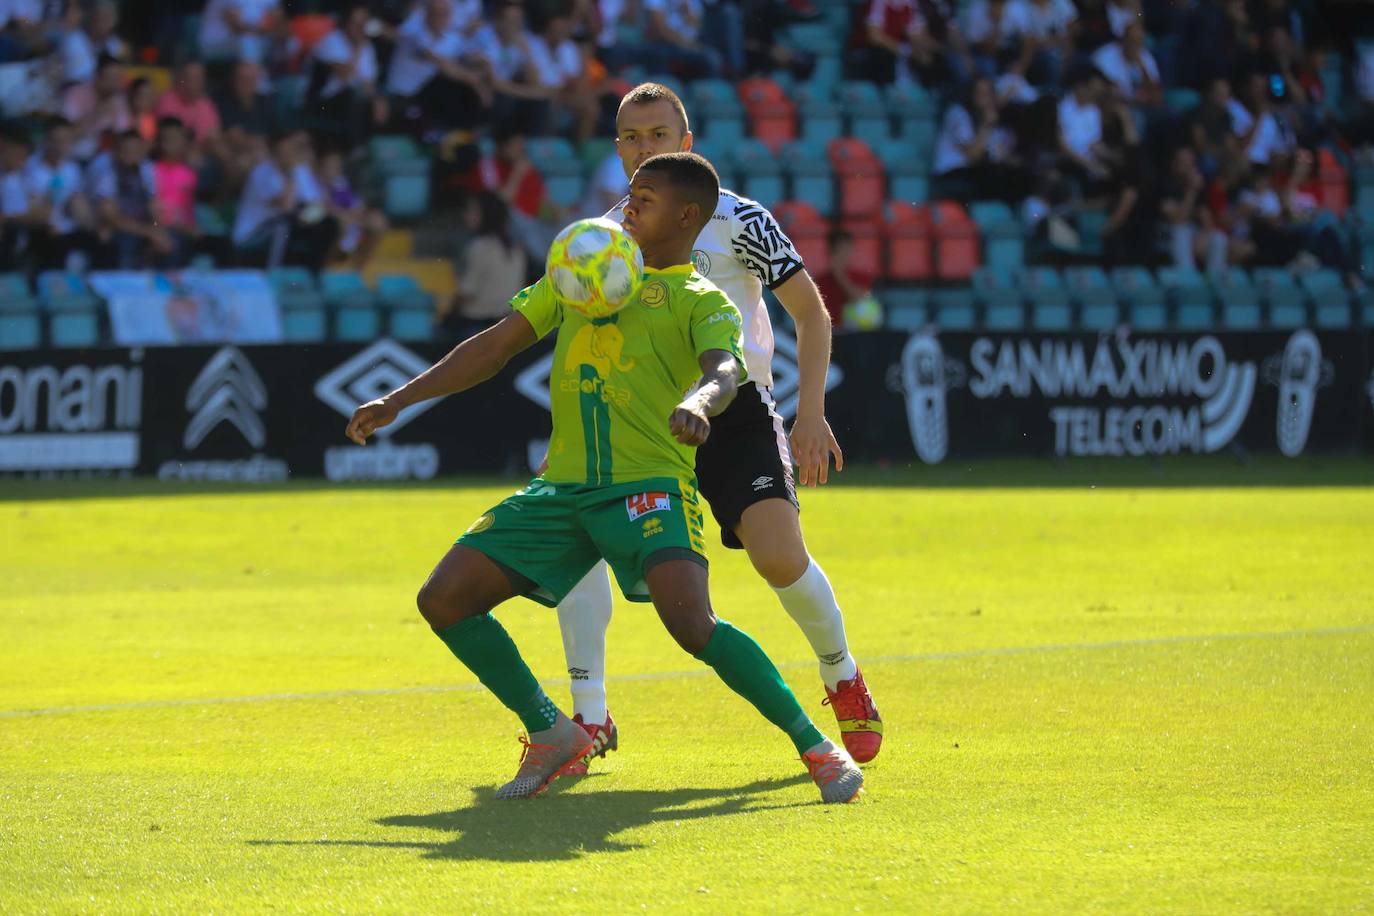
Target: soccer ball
<point>865,314</point>
<point>595,267</point>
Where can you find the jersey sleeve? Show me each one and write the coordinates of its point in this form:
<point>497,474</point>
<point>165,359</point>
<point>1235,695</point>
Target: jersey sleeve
<point>716,325</point>
<point>761,246</point>
<point>540,306</point>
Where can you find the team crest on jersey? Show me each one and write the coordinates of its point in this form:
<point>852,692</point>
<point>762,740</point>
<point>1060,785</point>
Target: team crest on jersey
<point>701,262</point>
<point>642,504</point>
<point>653,294</point>
<point>482,524</point>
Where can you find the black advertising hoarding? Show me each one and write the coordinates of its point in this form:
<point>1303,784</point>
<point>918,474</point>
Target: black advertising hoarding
<point>257,413</point>
<point>977,395</point>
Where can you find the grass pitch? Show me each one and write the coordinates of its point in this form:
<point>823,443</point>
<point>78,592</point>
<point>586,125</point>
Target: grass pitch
<point>1152,695</point>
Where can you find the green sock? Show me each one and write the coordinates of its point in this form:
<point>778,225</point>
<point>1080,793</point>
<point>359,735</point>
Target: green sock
<point>483,645</point>
<point>746,670</point>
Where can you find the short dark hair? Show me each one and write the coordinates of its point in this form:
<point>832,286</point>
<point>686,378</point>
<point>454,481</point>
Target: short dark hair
<point>692,175</point>
<point>648,93</point>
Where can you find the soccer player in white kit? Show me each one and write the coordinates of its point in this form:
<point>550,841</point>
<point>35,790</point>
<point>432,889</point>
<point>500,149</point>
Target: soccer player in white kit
<point>744,470</point>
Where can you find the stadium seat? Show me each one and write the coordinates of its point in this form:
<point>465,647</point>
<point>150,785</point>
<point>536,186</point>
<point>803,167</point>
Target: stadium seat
<point>809,232</point>
<point>1333,313</point>
<point>1286,315</point>
<point>772,115</point>
<point>1004,317</point>
<point>292,283</point>
<point>411,323</point>
<point>867,255</point>
<point>1234,287</point>
<point>1003,246</point>
<point>1194,315</point>
<point>60,291</point>
<point>1057,316</point>
<point>1240,316</point>
<point>1333,183</point>
<point>868,118</point>
<point>909,240</point>
<point>821,121</point>
<point>1188,288</point>
<point>863,187</point>
<point>357,324</point>
<point>721,155</point>
<point>708,93</point>
<point>1099,316</point>
<point>811,174</point>
<point>15,295</point>
<point>1091,223</point>
<point>906,307</point>
<point>592,153</point>
<point>564,190</point>
<point>954,309</point>
<point>1044,289</point>
<point>20,330</point>
<point>956,242</point>
<point>210,221</point>
<point>74,329</point>
<point>406,196</point>
<point>761,173</point>
<point>999,298</point>
<point>304,325</point>
<point>1136,286</point>
<point>1147,316</point>
<point>911,102</point>
<point>725,128</point>
<point>400,291</point>
<point>345,289</point>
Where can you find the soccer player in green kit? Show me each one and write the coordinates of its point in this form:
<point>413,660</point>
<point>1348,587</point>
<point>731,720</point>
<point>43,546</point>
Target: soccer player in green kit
<point>619,484</point>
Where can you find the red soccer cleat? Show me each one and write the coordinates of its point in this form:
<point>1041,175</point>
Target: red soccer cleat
<point>861,727</point>
<point>604,737</point>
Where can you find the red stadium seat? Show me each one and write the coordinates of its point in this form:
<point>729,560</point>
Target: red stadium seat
<point>956,242</point>
<point>867,256</point>
<point>760,90</point>
<point>908,242</point>
<point>774,125</point>
<point>1333,183</point>
<point>863,186</point>
<point>791,214</point>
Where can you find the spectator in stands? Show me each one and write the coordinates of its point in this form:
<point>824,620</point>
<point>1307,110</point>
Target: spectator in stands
<point>121,187</point>
<point>1215,144</point>
<point>1053,27</point>
<point>1130,68</point>
<point>510,175</point>
<point>343,83</point>
<point>493,268</point>
<point>427,77</point>
<point>901,47</point>
<point>96,108</point>
<point>602,19</point>
<point>557,66</point>
<point>60,213</point>
<point>81,49</point>
<point>975,150</point>
<point>241,29</point>
<point>20,31</point>
<point>175,181</point>
<point>1193,236</point>
<point>673,39</point>
<point>1080,127</point>
<point>247,119</point>
<point>15,149</point>
<point>141,99</point>
<point>1283,221</point>
<point>361,226</point>
<point>723,21</point>
<point>996,33</point>
<point>188,103</point>
<point>1122,14</point>
<point>763,53</point>
<point>841,285</point>
<point>1262,133</point>
<point>281,212</point>
<point>504,46</point>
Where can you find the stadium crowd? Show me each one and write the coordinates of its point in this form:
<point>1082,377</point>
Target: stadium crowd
<point>1205,130</point>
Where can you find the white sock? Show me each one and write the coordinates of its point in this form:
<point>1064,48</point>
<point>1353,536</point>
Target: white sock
<point>583,617</point>
<point>811,602</point>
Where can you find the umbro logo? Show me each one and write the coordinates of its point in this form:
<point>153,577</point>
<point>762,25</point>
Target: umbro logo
<point>762,483</point>
<point>377,370</point>
<point>579,674</point>
<point>228,390</point>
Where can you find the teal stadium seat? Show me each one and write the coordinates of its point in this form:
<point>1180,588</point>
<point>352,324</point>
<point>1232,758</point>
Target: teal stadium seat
<point>761,173</point>
<point>345,289</point>
<point>954,309</point>
<point>20,330</point>
<point>356,324</point>
<point>907,307</point>
<point>811,174</point>
<point>74,329</point>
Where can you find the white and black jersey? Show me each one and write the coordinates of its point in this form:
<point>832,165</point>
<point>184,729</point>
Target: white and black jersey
<point>741,250</point>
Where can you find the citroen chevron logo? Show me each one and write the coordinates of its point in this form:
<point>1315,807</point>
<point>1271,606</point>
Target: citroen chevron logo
<point>228,390</point>
<point>369,374</point>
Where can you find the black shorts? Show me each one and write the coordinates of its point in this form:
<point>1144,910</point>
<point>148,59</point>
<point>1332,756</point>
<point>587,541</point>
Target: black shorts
<point>745,460</point>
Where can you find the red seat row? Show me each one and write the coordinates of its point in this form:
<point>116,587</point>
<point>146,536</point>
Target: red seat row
<point>907,243</point>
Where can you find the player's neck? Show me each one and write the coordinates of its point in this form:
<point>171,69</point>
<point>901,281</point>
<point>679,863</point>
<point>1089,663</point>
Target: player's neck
<point>668,256</point>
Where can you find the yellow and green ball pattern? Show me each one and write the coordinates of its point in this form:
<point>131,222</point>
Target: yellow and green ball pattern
<point>595,267</point>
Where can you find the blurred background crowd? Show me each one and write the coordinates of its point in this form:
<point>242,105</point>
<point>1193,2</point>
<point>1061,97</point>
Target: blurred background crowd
<point>908,145</point>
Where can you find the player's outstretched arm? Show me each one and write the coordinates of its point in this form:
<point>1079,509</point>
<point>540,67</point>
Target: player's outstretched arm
<point>690,421</point>
<point>470,363</point>
<point>812,440</point>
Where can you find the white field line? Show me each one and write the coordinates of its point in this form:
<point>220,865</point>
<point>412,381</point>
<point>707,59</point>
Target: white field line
<point>702,671</point>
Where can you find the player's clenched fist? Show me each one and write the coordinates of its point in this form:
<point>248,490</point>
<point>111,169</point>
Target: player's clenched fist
<point>369,418</point>
<point>689,424</point>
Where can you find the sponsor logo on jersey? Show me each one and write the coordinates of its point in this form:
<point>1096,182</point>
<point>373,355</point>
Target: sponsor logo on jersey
<point>762,483</point>
<point>642,504</point>
<point>652,526</point>
<point>654,294</point>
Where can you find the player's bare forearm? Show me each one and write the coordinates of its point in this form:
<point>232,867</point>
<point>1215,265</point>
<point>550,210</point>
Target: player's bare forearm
<point>465,366</point>
<point>690,422</point>
<point>813,443</point>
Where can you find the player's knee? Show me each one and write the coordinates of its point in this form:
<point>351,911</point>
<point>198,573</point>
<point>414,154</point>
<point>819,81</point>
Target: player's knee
<point>778,565</point>
<point>692,631</point>
<point>439,605</point>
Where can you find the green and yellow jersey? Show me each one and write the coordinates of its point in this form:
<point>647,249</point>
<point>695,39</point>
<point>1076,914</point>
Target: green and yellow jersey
<point>614,381</point>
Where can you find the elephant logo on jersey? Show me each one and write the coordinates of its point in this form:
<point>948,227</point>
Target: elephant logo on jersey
<point>701,262</point>
<point>598,346</point>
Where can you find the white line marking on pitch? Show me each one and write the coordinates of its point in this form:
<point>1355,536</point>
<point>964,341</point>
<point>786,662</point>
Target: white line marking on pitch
<point>696,672</point>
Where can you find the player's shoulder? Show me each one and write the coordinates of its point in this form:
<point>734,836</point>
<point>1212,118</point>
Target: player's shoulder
<point>740,212</point>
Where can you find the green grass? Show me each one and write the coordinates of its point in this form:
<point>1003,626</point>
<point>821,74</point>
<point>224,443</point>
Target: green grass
<point>1155,694</point>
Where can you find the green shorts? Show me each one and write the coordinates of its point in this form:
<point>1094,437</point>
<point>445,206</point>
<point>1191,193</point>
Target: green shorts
<point>553,534</point>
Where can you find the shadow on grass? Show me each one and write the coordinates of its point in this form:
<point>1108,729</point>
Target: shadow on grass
<point>566,823</point>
